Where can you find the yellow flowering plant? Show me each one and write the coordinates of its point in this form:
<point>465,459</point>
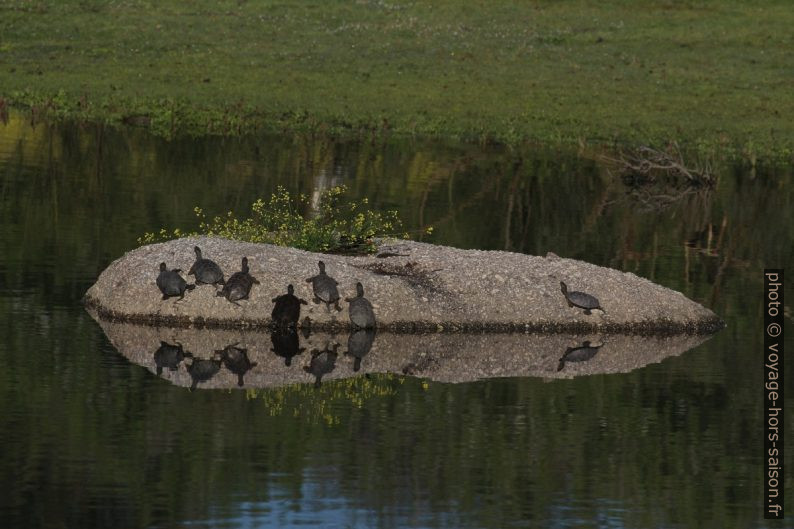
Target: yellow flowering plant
<point>335,226</point>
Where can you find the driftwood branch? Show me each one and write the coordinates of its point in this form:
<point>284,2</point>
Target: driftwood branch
<point>646,165</point>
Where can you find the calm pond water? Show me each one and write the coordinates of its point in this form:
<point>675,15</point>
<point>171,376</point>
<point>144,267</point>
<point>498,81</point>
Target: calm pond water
<point>90,439</point>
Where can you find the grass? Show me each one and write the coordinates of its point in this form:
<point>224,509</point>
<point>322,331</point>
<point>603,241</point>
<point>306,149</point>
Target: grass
<point>334,226</point>
<point>708,74</point>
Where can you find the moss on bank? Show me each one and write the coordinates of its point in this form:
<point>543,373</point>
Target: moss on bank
<point>712,75</point>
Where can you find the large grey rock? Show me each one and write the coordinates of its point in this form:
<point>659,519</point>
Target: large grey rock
<point>423,287</point>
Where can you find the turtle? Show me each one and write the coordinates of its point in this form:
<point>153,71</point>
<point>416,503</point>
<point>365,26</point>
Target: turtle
<point>239,285</point>
<point>286,344</point>
<point>201,370</point>
<point>287,310</point>
<point>236,360</point>
<point>206,271</point>
<point>325,290</point>
<point>361,314</point>
<point>172,284</point>
<point>359,344</point>
<point>582,353</point>
<point>322,362</point>
<point>170,356</point>
<point>580,299</point>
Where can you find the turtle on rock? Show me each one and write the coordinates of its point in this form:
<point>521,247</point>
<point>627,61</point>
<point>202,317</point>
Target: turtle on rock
<point>582,353</point>
<point>325,290</point>
<point>239,285</point>
<point>287,310</point>
<point>206,271</point>
<point>171,284</point>
<point>361,314</point>
<point>580,299</point>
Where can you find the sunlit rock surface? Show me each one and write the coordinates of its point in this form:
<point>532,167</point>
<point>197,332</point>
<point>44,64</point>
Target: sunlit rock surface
<point>442,357</point>
<point>412,286</point>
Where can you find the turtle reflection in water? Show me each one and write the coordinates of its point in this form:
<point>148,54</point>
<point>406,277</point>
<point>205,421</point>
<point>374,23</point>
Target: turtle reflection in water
<point>171,284</point>
<point>236,360</point>
<point>169,356</point>
<point>321,363</point>
<point>206,271</point>
<point>580,299</point>
<point>324,287</point>
<point>359,344</point>
<point>582,353</point>
<point>201,370</point>
<point>239,285</point>
<point>285,344</point>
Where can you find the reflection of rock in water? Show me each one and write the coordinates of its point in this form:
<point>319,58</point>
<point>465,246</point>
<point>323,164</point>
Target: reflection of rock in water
<point>201,370</point>
<point>358,345</point>
<point>438,357</point>
<point>169,356</point>
<point>322,362</point>
<point>285,344</point>
<point>578,354</point>
<point>236,360</point>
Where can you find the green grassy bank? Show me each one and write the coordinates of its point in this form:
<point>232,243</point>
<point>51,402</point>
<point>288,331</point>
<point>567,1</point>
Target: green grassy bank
<point>710,74</point>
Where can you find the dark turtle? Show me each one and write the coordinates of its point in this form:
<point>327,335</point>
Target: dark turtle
<point>359,344</point>
<point>582,353</point>
<point>361,314</point>
<point>172,284</point>
<point>285,343</point>
<point>239,285</point>
<point>236,360</point>
<point>201,370</point>
<point>580,299</point>
<point>288,308</point>
<point>325,290</point>
<point>206,271</point>
<point>322,362</point>
<point>169,356</point>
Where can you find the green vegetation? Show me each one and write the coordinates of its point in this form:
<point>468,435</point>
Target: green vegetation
<point>287,221</point>
<point>713,75</point>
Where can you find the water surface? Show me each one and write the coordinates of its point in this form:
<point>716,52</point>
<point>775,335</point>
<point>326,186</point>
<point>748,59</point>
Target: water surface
<point>90,439</point>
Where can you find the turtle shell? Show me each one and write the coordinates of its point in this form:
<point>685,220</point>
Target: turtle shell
<point>287,310</point>
<point>206,270</point>
<point>361,313</point>
<point>582,300</point>
<point>325,288</point>
<point>170,282</point>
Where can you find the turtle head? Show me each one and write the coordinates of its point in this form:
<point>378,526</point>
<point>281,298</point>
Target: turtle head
<point>290,290</point>
<point>322,266</point>
<point>198,252</point>
<point>564,288</point>
<point>162,267</point>
<point>360,289</point>
<point>245,265</point>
